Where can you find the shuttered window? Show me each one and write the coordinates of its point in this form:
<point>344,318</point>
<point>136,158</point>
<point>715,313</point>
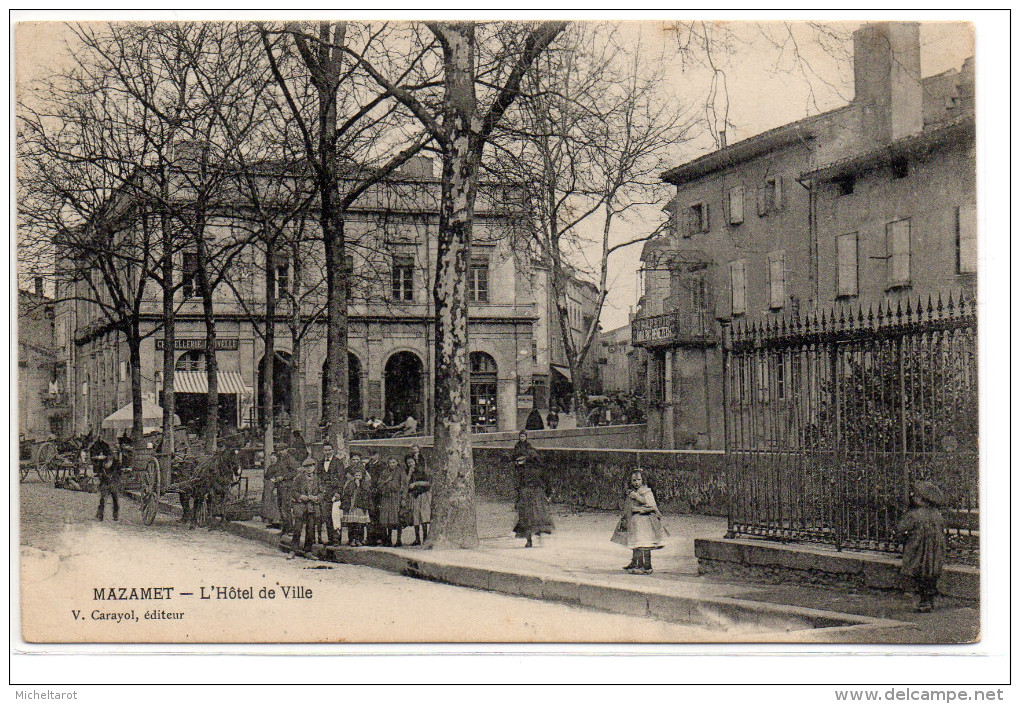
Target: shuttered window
<point>735,201</point>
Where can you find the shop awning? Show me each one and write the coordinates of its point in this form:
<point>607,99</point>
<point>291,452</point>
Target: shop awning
<point>565,371</point>
<point>123,418</point>
<point>196,383</point>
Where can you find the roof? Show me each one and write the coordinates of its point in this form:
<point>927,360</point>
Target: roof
<point>763,143</point>
<point>935,90</point>
<point>939,136</point>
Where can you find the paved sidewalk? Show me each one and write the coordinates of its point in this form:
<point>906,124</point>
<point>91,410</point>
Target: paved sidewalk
<point>577,564</point>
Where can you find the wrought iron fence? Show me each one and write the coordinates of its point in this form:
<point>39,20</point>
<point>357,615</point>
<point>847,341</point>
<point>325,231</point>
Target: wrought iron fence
<point>831,417</point>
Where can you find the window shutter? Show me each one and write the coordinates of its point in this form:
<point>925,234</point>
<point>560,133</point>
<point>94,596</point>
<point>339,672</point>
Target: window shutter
<point>780,193</point>
<point>704,217</point>
<point>736,205</point>
<point>966,229</point>
<point>898,236</point>
<point>737,287</point>
<point>727,208</point>
<point>777,279</point>
<point>846,265</point>
<point>761,201</point>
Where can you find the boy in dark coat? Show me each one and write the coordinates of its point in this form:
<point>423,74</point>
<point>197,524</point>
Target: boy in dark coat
<point>923,533</point>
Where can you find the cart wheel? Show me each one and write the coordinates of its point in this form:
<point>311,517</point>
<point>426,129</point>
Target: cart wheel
<point>24,470</point>
<point>150,495</point>
<point>44,461</point>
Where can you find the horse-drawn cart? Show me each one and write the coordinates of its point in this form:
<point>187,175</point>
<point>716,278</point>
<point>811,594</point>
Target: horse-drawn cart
<point>202,481</point>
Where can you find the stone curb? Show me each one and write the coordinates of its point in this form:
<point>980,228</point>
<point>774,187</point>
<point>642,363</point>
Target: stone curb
<point>716,612</point>
<point>768,622</point>
<point>872,571</point>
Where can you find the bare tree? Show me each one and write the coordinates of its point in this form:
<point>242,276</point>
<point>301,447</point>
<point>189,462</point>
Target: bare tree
<point>588,138</point>
<point>491,60</point>
<point>345,150</point>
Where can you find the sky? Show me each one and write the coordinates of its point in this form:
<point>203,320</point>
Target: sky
<point>766,84</point>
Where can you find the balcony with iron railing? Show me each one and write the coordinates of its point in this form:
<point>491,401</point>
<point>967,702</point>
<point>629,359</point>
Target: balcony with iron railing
<point>680,327</point>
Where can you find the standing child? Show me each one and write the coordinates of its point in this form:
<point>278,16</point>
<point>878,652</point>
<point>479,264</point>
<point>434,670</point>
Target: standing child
<point>923,533</point>
<point>355,501</point>
<point>640,527</point>
<point>420,490</point>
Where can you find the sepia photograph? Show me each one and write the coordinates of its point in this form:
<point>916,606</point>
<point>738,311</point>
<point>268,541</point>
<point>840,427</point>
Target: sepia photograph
<point>494,332</point>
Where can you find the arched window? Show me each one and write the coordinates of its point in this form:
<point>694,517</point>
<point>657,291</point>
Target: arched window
<point>191,361</point>
<point>484,415</point>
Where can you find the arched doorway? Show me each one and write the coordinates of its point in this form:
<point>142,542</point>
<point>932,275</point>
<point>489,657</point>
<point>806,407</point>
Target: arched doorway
<point>353,387</point>
<point>484,414</point>
<point>403,388</point>
<point>281,387</point>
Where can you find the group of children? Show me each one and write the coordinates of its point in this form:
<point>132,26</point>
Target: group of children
<point>364,502</point>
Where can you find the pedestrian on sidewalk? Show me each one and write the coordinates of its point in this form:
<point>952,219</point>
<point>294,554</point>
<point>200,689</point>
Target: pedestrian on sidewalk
<point>354,504</point>
<point>307,497</point>
<point>392,492</point>
<point>270,509</point>
<point>640,527</point>
<point>923,534</point>
<point>374,468</point>
<point>108,468</point>
<point>533,513</point>
<point>419,488</point>
<point>332,480</point>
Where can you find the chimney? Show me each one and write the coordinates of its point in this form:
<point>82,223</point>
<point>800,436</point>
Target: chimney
<point>38,286</point>
<point>722,139</point>
<point>887,79</point>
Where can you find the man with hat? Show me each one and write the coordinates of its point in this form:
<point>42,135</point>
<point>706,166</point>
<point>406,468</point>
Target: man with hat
<point>107,468</point>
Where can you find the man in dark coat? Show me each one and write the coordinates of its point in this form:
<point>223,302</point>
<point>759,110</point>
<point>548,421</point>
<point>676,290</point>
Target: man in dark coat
<point>107,468</point>
<point>331,478</point>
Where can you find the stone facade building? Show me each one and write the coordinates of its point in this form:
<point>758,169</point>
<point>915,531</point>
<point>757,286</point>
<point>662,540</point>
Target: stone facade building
<point>391,237</point>
<point>870,202</point>
<point>43,407</point>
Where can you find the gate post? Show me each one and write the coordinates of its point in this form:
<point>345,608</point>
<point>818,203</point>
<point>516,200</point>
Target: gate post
<point>727,450</point>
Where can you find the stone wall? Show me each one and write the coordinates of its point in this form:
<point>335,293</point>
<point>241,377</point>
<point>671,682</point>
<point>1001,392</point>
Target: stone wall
<point>684,481</point>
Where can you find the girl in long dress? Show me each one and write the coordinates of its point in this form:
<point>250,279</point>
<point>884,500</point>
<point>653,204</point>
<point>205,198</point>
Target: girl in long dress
<point>640,527</point>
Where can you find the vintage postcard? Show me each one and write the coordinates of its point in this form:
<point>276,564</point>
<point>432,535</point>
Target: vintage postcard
<point>497,332</point>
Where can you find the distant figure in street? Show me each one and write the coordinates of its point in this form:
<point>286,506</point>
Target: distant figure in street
<point>552,419</point>
<point>534,421</point>
<point>640,527</point>
<point>923,533</point>
<point>107,468</point>
<point>533,514</point>
<point>270,508</point>
<point>332,480</point>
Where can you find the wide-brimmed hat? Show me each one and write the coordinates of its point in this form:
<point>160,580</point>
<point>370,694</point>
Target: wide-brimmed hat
<point>929,493</point>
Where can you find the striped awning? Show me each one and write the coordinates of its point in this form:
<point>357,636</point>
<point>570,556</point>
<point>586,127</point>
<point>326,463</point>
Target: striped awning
<point>196,383</point>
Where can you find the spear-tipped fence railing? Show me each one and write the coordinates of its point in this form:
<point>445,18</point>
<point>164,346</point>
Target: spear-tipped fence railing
<point>831,416</point>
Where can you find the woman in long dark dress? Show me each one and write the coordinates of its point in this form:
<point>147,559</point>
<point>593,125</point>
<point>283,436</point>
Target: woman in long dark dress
<point>533,514</point>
